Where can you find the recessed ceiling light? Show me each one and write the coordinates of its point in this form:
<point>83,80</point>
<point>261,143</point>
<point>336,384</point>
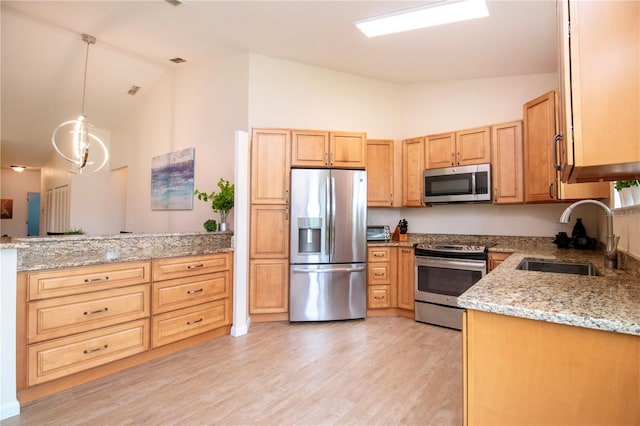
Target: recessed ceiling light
<point>174,2</point>
<point>133,90</point>
<point>435,13</point>
<point>177,60</point>
<point>18,169</point>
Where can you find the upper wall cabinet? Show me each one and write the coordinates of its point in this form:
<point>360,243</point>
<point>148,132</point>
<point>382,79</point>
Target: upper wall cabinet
<point>464,147</point>
<point>541,179</point>
<point>380,173</point>
<point>599,90</point>
<point>506,163</point>
<point>328,149</point>
<point>413,161</point>
<point>270,157</point>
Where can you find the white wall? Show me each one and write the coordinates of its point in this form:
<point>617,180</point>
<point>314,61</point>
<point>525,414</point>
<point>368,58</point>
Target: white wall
<point>429,108</point>
<point>293,95</point>
<point>200,106</point>
<point>15,186</point>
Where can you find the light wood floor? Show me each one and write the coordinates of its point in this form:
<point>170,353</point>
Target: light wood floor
<point>378,371</point>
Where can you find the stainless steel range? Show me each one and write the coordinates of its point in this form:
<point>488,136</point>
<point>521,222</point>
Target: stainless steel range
<point>442,273</point>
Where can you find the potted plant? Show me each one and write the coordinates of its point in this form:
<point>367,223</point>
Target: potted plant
<point>624,188</point>
<point>221,202</point>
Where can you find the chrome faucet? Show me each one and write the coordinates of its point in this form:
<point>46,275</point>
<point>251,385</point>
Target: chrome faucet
<point>611,252</point>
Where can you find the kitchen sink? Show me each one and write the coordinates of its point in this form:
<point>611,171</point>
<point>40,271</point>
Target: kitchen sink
<point>548,265</point>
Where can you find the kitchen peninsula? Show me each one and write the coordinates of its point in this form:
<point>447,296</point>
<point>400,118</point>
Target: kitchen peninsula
<point>88,306</point>
<point>549,347</point>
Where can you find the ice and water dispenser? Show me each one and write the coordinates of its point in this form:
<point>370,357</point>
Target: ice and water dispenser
<point>309,235</point>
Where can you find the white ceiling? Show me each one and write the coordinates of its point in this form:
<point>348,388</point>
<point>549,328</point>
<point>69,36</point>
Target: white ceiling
<point>43,53</point>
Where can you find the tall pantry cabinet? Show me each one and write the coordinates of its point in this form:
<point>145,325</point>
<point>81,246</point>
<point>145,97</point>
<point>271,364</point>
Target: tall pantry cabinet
<point>269,233</point>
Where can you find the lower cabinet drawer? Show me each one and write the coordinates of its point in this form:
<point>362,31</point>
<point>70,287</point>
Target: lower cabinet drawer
<point>184,292</point>
<point>378,273</point>
<point>63,316</point>
<point>378,296</point>
<point>177,325</point>
<point>62,357</point>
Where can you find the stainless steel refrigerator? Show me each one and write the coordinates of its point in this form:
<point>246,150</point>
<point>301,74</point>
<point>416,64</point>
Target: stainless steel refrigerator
<point>328,279</point>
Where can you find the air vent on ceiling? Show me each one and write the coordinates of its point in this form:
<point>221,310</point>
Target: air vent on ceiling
<point>133,90</point>
<point>177,60</point>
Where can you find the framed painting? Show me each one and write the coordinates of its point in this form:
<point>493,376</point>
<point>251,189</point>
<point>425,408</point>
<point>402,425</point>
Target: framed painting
<point>172,180</point>
<point>7,208</point>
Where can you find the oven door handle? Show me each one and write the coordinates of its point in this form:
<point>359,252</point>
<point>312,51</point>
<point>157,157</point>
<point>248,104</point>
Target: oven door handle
<point>464,264</point>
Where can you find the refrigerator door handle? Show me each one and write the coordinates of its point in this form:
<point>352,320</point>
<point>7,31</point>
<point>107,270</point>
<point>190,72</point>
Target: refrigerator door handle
<point>327,270</point>
<point>327,233</point>
<point>333,217</point>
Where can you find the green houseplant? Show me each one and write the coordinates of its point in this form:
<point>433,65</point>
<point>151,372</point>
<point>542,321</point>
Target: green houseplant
<point>221,201</point>
<point>626,190</point>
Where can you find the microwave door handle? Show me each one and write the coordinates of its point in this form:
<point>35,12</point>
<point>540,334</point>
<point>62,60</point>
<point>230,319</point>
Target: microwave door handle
<point>473,183</point>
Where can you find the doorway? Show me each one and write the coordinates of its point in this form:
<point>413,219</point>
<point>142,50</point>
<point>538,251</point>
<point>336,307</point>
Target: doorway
<point>33,214</point>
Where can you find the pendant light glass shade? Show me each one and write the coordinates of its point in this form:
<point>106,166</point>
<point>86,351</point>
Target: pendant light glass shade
<point>74,141</point>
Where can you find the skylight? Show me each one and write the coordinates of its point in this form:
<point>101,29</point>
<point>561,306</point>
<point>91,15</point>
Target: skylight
<point>432,14</point>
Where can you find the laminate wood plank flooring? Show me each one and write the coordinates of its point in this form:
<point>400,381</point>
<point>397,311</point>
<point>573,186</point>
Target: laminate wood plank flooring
<point>378,371</point>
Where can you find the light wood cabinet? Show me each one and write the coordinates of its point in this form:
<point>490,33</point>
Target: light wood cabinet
<point>380,173</point>
<point>542,182</point>
<point>57,358</point>
<point>507,163</point>
<point>270,164</point>
<point>405,279</point>
<point>413,161</point>
<point>494,259</point>
<point>521,371</point>
<point>192,295</point>
<point>269,236</point>
<point>328,149</point>
<point>78,324</point>
<point>390,277</point>
<point>599,89</point>
<point>464,147</point>
<point>73,319</point>
<point>268,286</point>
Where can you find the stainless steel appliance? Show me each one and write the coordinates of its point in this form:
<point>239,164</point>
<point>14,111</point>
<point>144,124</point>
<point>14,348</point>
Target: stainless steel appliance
<point>378,233</point>
<point>458,184</point>
<point>328,279</point>
<point>442,273</point>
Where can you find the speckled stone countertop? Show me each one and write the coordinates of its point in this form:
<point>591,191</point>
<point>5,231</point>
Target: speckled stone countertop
<point>36,253</point>
<point>609,302</point>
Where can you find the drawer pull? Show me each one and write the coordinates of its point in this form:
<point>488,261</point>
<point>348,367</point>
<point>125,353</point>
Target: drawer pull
<point>378,297</point>
<point>378,274</point>
<point>199,265</point>
<point>194,322</point>
<point>378,254</point>
<point>200,290</point>
<point>101,348</point>
<point>95,280</point>
<point>96,312</point>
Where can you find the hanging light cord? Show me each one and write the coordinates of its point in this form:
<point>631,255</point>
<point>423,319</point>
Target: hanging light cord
<point>90,40</point>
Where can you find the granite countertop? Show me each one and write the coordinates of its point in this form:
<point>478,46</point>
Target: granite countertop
<point>609,302</point>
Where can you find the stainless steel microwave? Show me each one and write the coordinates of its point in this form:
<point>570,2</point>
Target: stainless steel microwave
<point>458,184</point>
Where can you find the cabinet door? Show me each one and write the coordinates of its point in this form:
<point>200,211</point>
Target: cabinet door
<point>441,150</point>
<point>605,89</point>
<point>268,286</point>
<point>539,132</point>
<point>380,173</point>
<point>495,259</point>
<point>412,172</point>
<point>406,270</point>
<point>270,164</point>
<point>347,149</point>
<point>506,163</point>
<point>309,148</point>
<point>473,146</point>
<point>269,236</point>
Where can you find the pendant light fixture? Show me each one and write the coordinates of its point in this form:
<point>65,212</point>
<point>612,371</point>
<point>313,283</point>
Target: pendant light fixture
<point>74,141</point>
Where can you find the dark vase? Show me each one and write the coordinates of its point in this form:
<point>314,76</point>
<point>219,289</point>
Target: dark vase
<point>578,229</point>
